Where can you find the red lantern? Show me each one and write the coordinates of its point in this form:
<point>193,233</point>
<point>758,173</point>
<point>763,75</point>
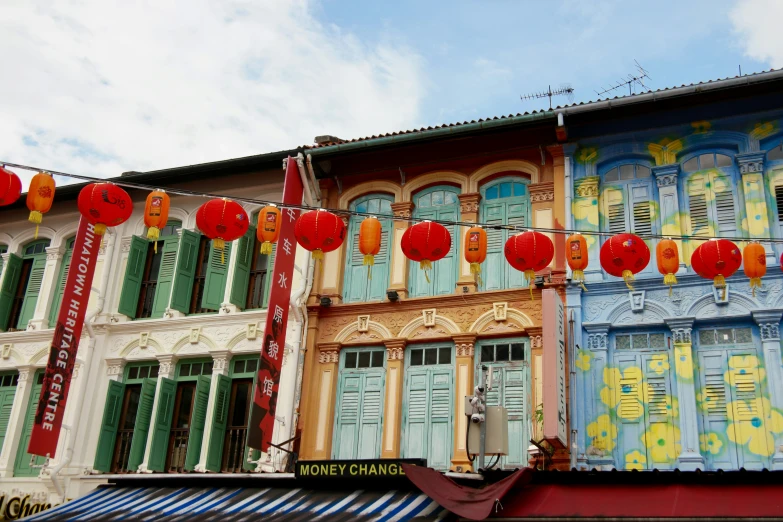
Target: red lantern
<point>222,220</point>
<point>10,187</point>
<point>319,231</point>
<point>624,255</point>
<point>529,252</point>
<point>104,205</point>
<point>668,257</point>
<point>716,259</point>
<point>426,242</point>
<point>576,256</point>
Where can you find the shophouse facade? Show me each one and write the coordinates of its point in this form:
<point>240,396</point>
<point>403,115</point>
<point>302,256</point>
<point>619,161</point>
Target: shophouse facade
<point>166,364</point>
<point>390,359</point>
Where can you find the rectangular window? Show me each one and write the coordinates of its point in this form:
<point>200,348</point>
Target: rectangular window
<point>502,352</point>
<point>430,356</point>
<point>725,336</point>
<point>653,341</point>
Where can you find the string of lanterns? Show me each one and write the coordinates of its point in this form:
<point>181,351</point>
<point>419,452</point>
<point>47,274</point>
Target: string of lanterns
<point>106,204</point>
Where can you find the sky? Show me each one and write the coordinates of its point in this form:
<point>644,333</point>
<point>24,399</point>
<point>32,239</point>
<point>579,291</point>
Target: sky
<point>100,87</point>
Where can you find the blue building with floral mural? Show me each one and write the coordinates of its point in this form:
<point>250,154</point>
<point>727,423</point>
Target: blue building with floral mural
<point>689,379</point>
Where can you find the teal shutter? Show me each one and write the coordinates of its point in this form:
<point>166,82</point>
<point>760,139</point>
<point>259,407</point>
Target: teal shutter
<point>57,301</point>
<point>31,292</point>
<point>23,467</point>
<point>359,422</point>
<point>713,413</point>
<point>216,277</point>
<point>141,427</point>
<point>134,272</point>
<point>270,272</point>
<point>494,268</point>
<point>219,424</point>
<point>418,286</point>
<point>165,276</point>
<point>379,283</point>
<point>356,282</point>
<point>747,405</point>
<point>515,401</point>
<point>428,431</point>
<point>630,406</point>
<point>185,272</point>
<point>516,215</point>
<point>6,405</point>
<point>445,270</point>
<point>162,426</point>
<point>111,421</point>
<point>371,420</point>
<point>8,289</point>
<point>197,420</point>
<point>238,296</point>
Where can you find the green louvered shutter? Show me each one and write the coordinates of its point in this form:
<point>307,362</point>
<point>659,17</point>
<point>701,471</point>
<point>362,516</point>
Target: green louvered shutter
<point>219,424</point>
<point>371,420</point>
<point>141,427</point>
<point>250,454</point>
<point>270,272</point>
<point>134,272</point>
<point>4,249</point>
<point>185,272</point>
<point>23,467</point>
<point>31,292</point>
<point>494,268</point>
<point>165,276</point>
<point>416,425</point>
<point>57,301</point>
<point>197,420</point>
<point>7,395</point>
<point>8,289</point>
<point>162,426</point>
<point>349,404</point>
<point>111,421</point>
<point>216,277</point>
<point>245,245</point>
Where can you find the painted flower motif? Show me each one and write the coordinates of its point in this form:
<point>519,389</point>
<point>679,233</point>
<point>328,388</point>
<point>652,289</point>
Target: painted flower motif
<point>662,440</point>
<point>603,433</point>
<point>672,406</point>
<point>710,443</point>
<point>683,361</point>
<point>743,366</point>
<point>635,460</point>
<point>583,358</point>
<point>628,382</point>
<point>659,363</point>
<point>753,423</point>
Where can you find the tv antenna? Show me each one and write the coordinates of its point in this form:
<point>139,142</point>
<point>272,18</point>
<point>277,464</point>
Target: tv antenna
<point>564,90</point>
<point>631,81</point>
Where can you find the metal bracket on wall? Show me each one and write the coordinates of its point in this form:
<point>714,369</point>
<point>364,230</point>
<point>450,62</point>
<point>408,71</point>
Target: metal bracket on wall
<point>546,452</point>
<point>402,177</point>
<point>339,186</point>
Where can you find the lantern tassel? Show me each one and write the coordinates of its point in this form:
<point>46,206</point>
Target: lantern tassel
<point>628,277</point>
<point>670,280</point>
<point>318,254</point>
<point>475,269</point>
<point>369,260</point>
<point>35,217</point>
<point>99,229</point>
<point>266,248</point>
<point>578,276</point>
<point>529,275</point>
<point>720,282</point>
<point>153,233</point>
<point>426,265</point>
<point>755,282</point>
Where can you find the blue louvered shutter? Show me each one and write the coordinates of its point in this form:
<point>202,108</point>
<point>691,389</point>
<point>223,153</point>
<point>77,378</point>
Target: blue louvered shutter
<point>356,282</point>
<point>359,417</point>
<point>516,215</point>
<point>445,270</point>
<point>659,415</point>
<point>494,268</point>
<point>715,400</point>
<point>629,398</point>
<point>348,412</point>
<point>440,415</point>
<point>416,422</point>
<point>418,285</point>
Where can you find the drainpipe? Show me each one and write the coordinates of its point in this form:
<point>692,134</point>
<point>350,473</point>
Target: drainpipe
<point>569,189</point>
<point>111,247</point>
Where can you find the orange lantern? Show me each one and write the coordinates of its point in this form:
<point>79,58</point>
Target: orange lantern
<point>624,255</point>
<point>755,263</point>
<point>10,187</point>
<point>370,241</point>
<point>319,231</point>
<point>716,259</point>
<point>268,228</point>
<point>426,242</point>
<point>576,256</point>
<point>222,220</point>
<point>39,198</point>
<point>156,214</point>
<point>104,205</point>
<point>529,252</point>
<point>475,249</point>
<point>668,257</point>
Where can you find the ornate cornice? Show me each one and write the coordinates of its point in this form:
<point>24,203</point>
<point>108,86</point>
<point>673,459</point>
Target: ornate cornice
<point>666,175</point>
<point>395,349</point>
<point>403,209</point>
<point>465,345</point>
<point>541,192</point>
<point>469,202</point>
<point>329,352</point>
<point>587,187</point>
<point>750,162</point>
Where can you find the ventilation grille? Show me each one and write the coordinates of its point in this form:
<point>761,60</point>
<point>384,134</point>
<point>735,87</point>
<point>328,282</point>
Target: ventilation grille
<point>642,221</point>
<point>630,407</point>
<point>724,203</point>
<point>440,403</point>
<point>371,408</point>
<point>616,215</point>
<point>697,203</point>
<point>747,405</point>
<point>656,396</point>
<point>715,395</point>
<point>349,407</point>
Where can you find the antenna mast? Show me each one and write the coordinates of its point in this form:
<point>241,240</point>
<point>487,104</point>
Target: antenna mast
<point>631,80</point>
<point>564,90</point>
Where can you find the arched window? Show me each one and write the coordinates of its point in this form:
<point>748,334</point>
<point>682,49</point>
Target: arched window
<point>504,201</point>
<point>709,190</point>
<point>357,287</point>
<point>57,299</point>
<point>628,200</point>
<point>21,285</point>
<point>437,203</point>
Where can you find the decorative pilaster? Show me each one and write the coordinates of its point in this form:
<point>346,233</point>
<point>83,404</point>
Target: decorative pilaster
<point>464,387</point>
<point>585,214</point>
<point>599,455</point>
<point>392,408</point>
<point>115,368</point>
<point>769,325</point>
<point>167,365</point>
<point>666,179</point>
<point>751,167</point>
<point>469,207</point>
<point>399,263</point>
<point>326,381</point>
<point>220,362</point>
<point>690,459</point>
<point>542,201</point>
<point>535,334</point>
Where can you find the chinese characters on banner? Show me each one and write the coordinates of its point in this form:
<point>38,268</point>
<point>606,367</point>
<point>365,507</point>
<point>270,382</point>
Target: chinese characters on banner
<point>553,362</point>
<point>262,412</point>
<point>65,344</point>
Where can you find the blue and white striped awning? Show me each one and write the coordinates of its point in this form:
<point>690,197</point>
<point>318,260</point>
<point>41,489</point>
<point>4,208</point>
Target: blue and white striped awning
<point>229,504</point>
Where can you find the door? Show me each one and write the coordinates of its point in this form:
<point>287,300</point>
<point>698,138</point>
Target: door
<point>505,202</point>
<point>360,393</point>
<point>428,410</point>
<point>180,427</point>
<point>235,434</point>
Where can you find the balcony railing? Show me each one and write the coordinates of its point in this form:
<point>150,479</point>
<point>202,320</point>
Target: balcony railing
<point>234,450</point>
<point>179,449</point>
<point>122,452</point>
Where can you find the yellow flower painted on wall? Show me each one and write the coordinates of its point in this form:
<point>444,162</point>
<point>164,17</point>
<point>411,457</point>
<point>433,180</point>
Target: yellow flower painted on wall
<point>672,406</point>
<point>583,358</point>
<point>663,442</point>
<point>635,460</point>
<point>587,155</point>
<point>683,361</point>
<point>629,382</point>
<point>710,443</point>
<point>603,432</point>
<point>753,423</point>
<point>744,368</point>
<point>659,363</point>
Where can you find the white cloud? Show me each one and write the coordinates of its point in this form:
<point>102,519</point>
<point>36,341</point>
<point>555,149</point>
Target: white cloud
<point>99,87</point>
<point>757,23</point>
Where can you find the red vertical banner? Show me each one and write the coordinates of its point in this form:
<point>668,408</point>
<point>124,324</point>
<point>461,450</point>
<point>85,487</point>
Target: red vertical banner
<point>65,344</point>
<point>262,412</point>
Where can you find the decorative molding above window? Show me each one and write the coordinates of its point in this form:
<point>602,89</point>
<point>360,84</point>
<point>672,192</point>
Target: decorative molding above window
<point>587,187</point>
<point>542,192</point>
<point>750,162</point>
